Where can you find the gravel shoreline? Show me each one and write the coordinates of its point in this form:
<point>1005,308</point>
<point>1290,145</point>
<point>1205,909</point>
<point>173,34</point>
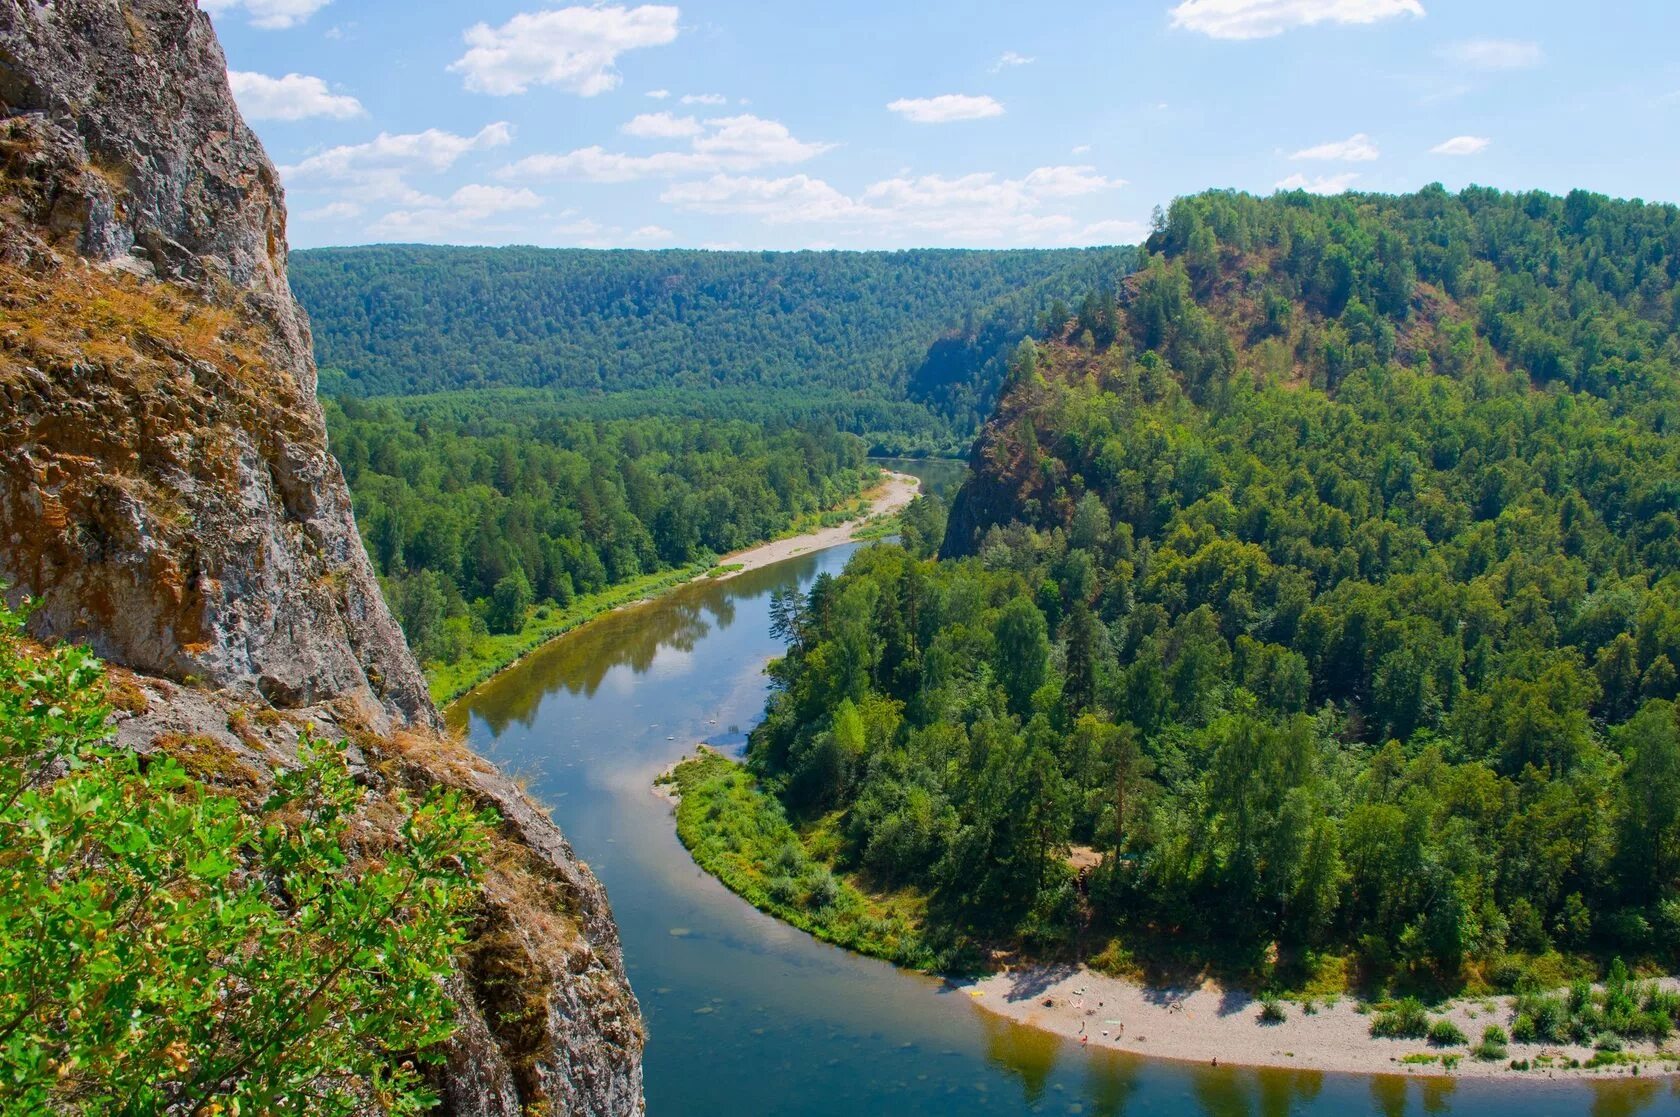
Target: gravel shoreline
<point>1210,1025</point>
<point>898,490</point>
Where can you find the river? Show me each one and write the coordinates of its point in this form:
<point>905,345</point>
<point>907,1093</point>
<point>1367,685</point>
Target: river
<point>747,1016</point>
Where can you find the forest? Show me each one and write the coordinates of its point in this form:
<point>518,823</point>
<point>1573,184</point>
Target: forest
<point>1324,584</point>
<point>477,510</point>
<point>906,348</point>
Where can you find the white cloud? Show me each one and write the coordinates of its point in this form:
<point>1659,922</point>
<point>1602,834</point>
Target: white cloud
<point>969,208</point>
<point>659,94</point>
<point>795,199</point>
<point>1357,148</point>
<point>333,211</point>
<point>661,126</point>
<point>1259,19</point>
<point>293,97</point>
<point>1009,59</point>
<point>652,233</point>
<point>1082,149</point>
<point>704,99</point>
<point>1323,184</point>
<point>1068,182</point>
<point>1494,54</point>
<point>270,15</point>
<point>431,150</point>
<point>574,48</point>
<point>945,108</point>
<point>379,168</point>
<point>726,144</point>
<point>464,212</point>
<point>1461,145</point>
<point>722,246</point>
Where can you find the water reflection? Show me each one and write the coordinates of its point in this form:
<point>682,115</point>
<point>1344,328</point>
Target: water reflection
<point>580,662</point>
<point>746,1015</point>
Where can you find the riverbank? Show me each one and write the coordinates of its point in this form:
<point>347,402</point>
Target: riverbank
<point>452,683</point>
<point>740,835</point>
<point>888,498</point>
<point>1208,1024</point>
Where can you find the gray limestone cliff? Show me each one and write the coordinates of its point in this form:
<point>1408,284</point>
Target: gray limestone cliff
<point>168,498</point>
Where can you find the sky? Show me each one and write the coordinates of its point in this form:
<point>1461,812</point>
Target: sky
<point>877,124</point>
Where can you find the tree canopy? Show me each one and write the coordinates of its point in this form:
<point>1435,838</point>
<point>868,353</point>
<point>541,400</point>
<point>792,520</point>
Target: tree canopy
<point>1326,580</point>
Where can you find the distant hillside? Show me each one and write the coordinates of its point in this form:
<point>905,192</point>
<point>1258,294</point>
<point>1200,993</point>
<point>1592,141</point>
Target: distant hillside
<point>1326,583</point>
<point>846,329</point>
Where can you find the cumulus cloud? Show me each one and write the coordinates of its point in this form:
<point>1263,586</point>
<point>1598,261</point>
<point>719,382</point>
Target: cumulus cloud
<point>724,144</point>
<point>379,169</point>
<point>975,207</point>
<point>1494,54</point>
<point>293,97</point>
<point>431,150</point>
<point>575,49</point>
<point>464,213</point>
<point>650,233</point>
<point>1461,145</point>
<point>1357,148</point>
<point>1010,59</point>
<point>945,108</point>
<point>1323,184</point>
<point>269,15</point>
<point>661,126</point>
<point>659,94</point>
<point>1260,19</point>
<point>704,99</point>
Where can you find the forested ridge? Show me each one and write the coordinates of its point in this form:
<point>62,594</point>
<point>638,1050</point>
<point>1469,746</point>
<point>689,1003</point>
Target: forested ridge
<point>1326,582</point>
<point>898,344</point>
<point>475,510</point>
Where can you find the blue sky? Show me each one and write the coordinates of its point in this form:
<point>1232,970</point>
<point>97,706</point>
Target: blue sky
<point>717,123</point>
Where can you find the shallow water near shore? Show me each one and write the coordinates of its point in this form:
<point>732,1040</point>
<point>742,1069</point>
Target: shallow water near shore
<point>747,1016</point>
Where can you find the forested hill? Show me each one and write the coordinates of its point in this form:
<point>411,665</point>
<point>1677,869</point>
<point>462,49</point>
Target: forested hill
<point>403,320</point>
<point>1327,582</point>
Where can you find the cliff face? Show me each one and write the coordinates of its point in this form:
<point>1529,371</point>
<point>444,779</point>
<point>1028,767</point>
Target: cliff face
<point>167,495</point>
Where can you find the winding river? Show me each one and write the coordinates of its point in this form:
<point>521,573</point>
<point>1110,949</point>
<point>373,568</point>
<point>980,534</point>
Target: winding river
<point>747,1016</point>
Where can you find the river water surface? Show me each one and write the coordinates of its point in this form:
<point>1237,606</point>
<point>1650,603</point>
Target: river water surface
<point>747,1016</point>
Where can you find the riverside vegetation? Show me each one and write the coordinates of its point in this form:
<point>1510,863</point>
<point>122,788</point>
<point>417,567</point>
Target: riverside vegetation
<point>496,528</point>
<point>1325,584</point>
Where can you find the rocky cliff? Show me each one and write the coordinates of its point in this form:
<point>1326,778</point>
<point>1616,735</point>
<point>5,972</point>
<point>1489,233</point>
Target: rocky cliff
<point>167,496</point>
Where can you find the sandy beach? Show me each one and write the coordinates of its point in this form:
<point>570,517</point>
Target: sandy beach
<point>898,490</point>
<point>1207,1023</point>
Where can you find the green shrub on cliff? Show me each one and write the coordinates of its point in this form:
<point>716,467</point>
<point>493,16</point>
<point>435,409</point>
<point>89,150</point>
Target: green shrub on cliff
<point>165,947</point>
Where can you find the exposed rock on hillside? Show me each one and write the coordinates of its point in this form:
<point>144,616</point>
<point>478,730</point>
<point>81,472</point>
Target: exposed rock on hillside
<point>167,494</point>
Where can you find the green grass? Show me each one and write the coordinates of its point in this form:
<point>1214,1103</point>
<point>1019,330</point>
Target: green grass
<point>448,681</point>
<point>741,835</point>
<point>879,527</point>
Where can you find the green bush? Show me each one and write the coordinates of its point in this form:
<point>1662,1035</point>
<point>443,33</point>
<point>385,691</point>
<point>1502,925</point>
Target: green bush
<point>1492,1048</point>
<point>1408,1019</point>
<point>1272,1011</point>
<point>167,948</point>
<point>1444,1033</point>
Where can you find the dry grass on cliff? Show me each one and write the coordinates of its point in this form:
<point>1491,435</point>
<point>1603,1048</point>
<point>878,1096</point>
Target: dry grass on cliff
<point>82,316</point>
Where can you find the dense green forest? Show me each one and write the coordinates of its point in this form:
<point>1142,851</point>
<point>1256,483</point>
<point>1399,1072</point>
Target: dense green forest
<point>478,507</point>
<point>1326,583</point>
<point>906,347</point>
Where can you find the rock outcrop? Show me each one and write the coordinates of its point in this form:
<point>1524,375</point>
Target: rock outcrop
<point>168,498</point>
